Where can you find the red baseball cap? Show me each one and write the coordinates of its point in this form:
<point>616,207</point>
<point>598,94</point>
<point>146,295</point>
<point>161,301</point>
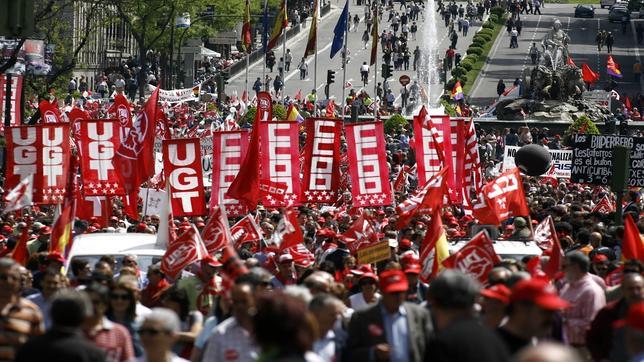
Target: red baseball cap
<point>45,230</point>
<point>362,269</point>
<point>405,243</point>
<point>634,318</point>
<point>538,292</point>
<point>498,292</point>
<point>413,268</point>
<point>285,258</point>
<point>368,275</point>
<point>599,258</point>
<point>393,281</point>
<point>56,256</point>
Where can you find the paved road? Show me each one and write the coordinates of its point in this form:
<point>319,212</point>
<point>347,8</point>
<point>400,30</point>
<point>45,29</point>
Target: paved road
<point>508,64</point>
<point>357,54</point>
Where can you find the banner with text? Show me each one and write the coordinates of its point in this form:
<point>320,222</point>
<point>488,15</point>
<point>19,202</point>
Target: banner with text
<point>562,160</point>
<point>280,160</point>
<point>182,170</point>
<point>229,150</point>
<point>592,159</point>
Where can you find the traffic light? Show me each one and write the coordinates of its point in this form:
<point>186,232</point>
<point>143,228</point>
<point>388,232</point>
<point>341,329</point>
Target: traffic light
<point>390,70</point>
<point>330,76</point>
<point>385,73</point>
<point>225,75</point>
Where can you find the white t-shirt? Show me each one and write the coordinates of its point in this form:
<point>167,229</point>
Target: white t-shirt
<point>358,302</point>
<point>364,68</point>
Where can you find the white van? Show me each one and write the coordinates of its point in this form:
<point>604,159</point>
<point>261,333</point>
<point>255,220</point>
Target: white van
<point>505,249</point>
<point>92,247</point>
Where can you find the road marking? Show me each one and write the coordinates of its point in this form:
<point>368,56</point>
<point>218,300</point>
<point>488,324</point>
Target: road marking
<point>481,76</point>
<point>534,34</point>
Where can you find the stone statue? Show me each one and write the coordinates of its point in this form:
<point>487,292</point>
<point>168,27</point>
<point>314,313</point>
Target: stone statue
<point>555,46</point>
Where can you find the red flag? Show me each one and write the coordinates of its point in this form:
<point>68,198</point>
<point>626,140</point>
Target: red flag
<point>20,196</point>
<point>434,250</point>
<point>184,174</point>
<point>228,151</point>
<point>473,174</point>
<point>245,186</point>
<point>501,199</point>
<point>425,201</point>
<point>131,204</point>
<point>476,258</point>
<point>321,169</point>
<point>288,233</point>
<point>551,269</point>
<point>232,267</point>
<point>76,115</point>
<point>49,112</point>
<point>438,140</point>
<point>627,103</point>
<point>569,61</point>
<point>368,164</point>
<point>401,179</point>
<point>120,109</point>
<point>187,249</point>
<point>632,244</point>
<point>588,75</point>
<point>216,234</point>
<point>244,96</point>
<point>134,159</point>
<point>99,207</point>
<point>61,233</point>
<point>298,95</point>
<point>604,206</point>
<point>20,252</point>
<point>245,231</point>
<point>246,38</point>
<point>361,233</point>
<point>97,140</point>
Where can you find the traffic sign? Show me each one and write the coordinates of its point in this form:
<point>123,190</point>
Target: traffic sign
<point>404,80</point>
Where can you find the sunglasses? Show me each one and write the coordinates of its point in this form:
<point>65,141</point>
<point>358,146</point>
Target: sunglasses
<point>152,332</point>
<point>120,296</point>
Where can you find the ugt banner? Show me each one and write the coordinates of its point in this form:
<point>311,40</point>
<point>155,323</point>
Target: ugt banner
<point>321,160</point>
<point>98,141</point>
<point>43,151</point>
<point>368,164</point>
<point>228,152</point>
<point>280,162</point>
<point>182,170</point>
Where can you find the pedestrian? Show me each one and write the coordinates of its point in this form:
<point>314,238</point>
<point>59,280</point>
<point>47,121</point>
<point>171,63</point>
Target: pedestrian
<point>413,29</point>
<point>466,26</point>
<point>457,59</point>
<point>64,341</point>
<point>599,39</point>
<point>519,25</point>
<point>303,68</point>
<point>449,55</point>
<point>356,21</point>
<point>364,73</point>
<point>288,59</point>
<point>514,35</point>
<point>159,332</point>
<point>500,87</point>
<point>534,53</point>
<point>610,39</point>
<point>416,57</point>
<point>536,5</point>
<point>404,96</point>
<point>280,67</point>
<point>365,39</point>
<point>257,86</point>
<point>453,38</point>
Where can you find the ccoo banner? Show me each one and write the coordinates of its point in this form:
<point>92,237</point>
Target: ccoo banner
<point>321,169</point>
<point>182,170</point>
<point>592,159</point>
<point>280,162</point>
<point>229,149</point>
<point>370,184</point>
<point>561,159</point>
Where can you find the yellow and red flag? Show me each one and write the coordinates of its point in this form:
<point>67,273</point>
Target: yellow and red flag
<point>374,38</point>
<point>280,25</point>
<point>246,34</point>
<point>312,43</point>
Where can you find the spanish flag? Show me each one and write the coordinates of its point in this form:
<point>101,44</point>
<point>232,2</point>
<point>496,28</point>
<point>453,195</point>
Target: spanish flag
<point>434,249</point>
<point>311,44</point>
<point>20,252</point>
<point>61,233</point>
<point>457,91</point>
<point>246,34</point>
<point>280,25</point>
<point>374,38</point>
<point>292,114</point>
<point>632,243</point>
<point>612,68</point>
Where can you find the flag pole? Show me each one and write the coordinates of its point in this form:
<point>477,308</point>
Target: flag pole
<point>344,68</point>
<point>247,66</point>
<point>284,50</point>
<point>316,14</point>
<point>264,42</point>
<point>375,69</point>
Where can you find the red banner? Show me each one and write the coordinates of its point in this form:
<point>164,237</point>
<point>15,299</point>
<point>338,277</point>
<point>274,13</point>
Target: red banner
<point>98,141</point>
<point>49,112</point>
<point>476,258</point>
<point>215,234</point>
<point>39,150</point>
<point>183,172</point>
<point>501,199</point>
<point>120,110</point>
<point>280,161</point>
<point>99,207</point>
<point>187,249</point>
<point>368,164</point>
<point>16,99</point>
<point>228,152</point>
<point>245,231</point>
<point>264,107</point>
<point>321,167</point>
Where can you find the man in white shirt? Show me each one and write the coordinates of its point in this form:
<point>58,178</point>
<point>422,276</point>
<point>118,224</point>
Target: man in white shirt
<point>326,309</point>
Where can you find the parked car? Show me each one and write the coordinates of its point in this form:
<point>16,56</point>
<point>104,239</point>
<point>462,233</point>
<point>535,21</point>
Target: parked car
<point>584,11</point>
<point>607,3</point>
<point>617,14</point>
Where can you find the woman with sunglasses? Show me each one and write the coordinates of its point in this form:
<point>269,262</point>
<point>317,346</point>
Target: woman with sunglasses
<point>158,334</point>
<point>123,309</point>
<point>177,301</point>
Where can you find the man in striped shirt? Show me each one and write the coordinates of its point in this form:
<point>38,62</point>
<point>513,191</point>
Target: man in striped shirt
<point>20,319</point>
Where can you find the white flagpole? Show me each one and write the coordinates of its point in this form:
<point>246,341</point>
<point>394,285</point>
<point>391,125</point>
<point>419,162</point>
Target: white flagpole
<point>344,67</point>
<point>284,51</point>
<point>316,14</point>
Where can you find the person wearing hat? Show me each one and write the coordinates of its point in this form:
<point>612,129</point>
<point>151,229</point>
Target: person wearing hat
<point>494,303</point>
<point>202,287</point>
<point>459,334</point>
<point>285,272</point>
<point>41,243</point>
<point>604,340</point>
<point>532,308</point>
<point>368,294</point>
<point>521,229</point>
<point>392,329</point>
<point>417,289</point>
<point>584,294</point>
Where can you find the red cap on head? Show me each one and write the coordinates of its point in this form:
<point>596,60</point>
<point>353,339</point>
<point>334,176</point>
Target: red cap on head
<point>45,230</point>
<point>499,292</point>
<point>539,292</point>
<point>599,258</point>
<point>413,268</point>
<point>634,318</point>
<point>405,243</point>
<point>56,256</point>
<point>368,275</point>
<point>285,258</point>
<point>393,281</point>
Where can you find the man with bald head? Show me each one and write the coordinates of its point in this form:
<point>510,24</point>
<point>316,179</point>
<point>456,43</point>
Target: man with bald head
<point>604,340</point>
<point>595,239</point>
<point>548,352</point>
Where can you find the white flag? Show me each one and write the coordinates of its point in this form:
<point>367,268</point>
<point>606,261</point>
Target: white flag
<point>21,196</point>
